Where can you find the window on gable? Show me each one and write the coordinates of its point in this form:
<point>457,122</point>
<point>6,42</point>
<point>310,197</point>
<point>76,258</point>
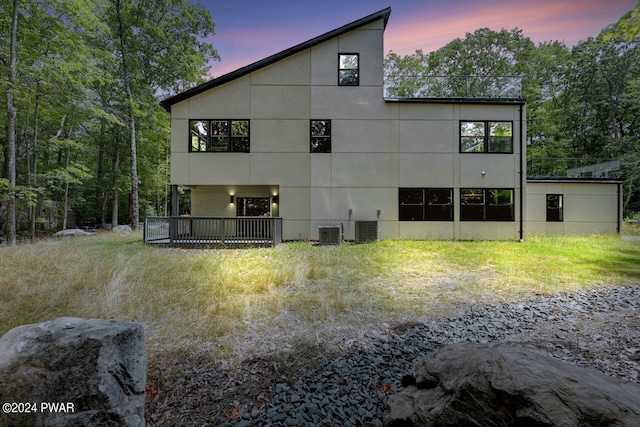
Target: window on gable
<point>486,137</point>
<point>486,204</point>
<point>320,136</point>
<point>349,69</point>
<point>425,204</point>
<point>219,135</point>
<point>554,208</point>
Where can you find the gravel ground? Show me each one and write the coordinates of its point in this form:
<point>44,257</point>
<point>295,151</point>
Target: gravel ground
<point>347,381</point>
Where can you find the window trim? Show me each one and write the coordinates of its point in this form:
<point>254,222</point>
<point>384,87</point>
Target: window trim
<point>486,214</point>
<point>486,137</point>
<point>425,217</point>
<point>230,137</point>
<point>560,209</point>
<point>357,69</point>
<point>327,138</point>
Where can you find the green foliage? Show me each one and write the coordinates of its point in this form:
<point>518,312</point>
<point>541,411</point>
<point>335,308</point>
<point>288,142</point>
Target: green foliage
<point>5,189</point>
<point>73,110</point>
<point>628,26</point>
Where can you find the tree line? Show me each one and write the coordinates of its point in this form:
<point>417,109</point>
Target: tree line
<point>85,135</point>
<point>84,131</point>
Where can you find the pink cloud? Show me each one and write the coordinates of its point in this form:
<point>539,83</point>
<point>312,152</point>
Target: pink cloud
<point>421,24</point>
<point>221,68</point>
<point>543,20</point>
<point>238,47</point>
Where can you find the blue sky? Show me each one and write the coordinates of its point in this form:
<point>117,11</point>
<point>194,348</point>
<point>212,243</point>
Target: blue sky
<point>249,30</point>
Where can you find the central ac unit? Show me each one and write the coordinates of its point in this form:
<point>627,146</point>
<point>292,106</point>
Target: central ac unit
<point>366,231</point>
<point>330,234</point>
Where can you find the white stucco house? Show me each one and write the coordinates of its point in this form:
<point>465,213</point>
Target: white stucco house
<point>310,137</point>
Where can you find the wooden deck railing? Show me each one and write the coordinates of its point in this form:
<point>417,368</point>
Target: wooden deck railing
<point>213,231</point>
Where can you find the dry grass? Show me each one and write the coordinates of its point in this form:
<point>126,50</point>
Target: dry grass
<point>212,297</point>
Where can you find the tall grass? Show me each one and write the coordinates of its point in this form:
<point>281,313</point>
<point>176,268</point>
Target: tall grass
<point>189,297</point>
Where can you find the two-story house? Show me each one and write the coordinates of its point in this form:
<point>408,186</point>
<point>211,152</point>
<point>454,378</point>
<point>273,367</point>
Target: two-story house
<point>307,135</point>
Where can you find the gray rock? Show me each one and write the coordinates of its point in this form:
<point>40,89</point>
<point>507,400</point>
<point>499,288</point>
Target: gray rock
<point>72,232</point>
<point>93,369</point>
<point>122,229</point>
<point>500,385</point>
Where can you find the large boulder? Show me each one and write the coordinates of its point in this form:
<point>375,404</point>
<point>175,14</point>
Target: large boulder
<point>73,372</point>
<point>72,232</point>
<point>497,385</point>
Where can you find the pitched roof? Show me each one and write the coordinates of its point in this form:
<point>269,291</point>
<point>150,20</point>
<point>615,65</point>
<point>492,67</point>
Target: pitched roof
<point>383,14</point>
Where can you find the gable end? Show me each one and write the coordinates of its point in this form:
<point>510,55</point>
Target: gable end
<point>383,14</point>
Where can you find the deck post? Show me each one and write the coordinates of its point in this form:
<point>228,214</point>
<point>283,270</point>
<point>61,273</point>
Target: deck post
<point>175,201</point>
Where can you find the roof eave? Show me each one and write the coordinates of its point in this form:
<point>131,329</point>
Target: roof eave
<point>457,100</point>
<point>565,180</point>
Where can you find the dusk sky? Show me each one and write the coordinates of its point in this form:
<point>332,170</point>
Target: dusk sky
<point>250,30</point>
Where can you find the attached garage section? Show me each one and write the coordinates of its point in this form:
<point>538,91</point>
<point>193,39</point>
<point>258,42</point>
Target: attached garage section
<point>573,206</point>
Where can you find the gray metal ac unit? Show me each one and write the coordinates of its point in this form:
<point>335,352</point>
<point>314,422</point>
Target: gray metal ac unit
<point>366,231</point>
<point>330,234</point>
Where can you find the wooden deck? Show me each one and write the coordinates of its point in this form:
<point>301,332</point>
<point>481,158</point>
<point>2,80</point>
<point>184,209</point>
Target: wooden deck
<point>203,232</point>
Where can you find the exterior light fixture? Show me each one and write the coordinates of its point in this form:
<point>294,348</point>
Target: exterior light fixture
<point>231,198</point>
<point>276,199</point>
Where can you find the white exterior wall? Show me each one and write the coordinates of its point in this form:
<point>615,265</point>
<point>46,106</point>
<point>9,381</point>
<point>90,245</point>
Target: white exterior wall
<point>377,147</point>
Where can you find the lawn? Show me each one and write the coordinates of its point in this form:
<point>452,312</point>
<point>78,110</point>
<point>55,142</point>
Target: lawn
<point>198,297</point>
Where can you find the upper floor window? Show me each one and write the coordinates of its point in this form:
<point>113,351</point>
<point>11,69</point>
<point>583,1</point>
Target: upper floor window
<point>320,136</point>
<point>425,204</point>
<point>486,137</point>
<point>486,204</point>
<point>349,69</point>
<point>219,135</point>
<point>554,208</point>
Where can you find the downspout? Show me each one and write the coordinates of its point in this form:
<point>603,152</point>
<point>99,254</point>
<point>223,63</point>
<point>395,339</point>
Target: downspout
<point>521,178</point>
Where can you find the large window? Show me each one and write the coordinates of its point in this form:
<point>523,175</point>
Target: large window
<point>554,208</point>
<point>320,136</point>
<point>480,204</point>
<point>348,69</point>
<point>486,137</point>
<point>219,135</point>
<point>425,204</point>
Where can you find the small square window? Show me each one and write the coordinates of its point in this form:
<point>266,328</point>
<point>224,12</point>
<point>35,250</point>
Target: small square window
<point>349,69</point>
<point>320,136</point>
<point>554,208</point>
